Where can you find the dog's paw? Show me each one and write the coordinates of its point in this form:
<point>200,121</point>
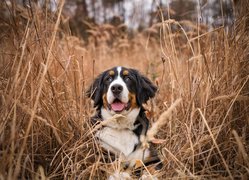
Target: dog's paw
<point>147,176</point>
<point>120,176</point>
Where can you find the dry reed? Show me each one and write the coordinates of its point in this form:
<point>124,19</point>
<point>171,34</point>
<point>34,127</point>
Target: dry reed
<point>45,131</point>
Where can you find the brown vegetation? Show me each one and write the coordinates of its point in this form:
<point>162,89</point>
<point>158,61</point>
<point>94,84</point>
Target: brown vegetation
<point>44,124</point>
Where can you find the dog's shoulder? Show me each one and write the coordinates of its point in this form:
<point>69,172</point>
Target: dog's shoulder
<point>96,118</point>
<point>141,123</point>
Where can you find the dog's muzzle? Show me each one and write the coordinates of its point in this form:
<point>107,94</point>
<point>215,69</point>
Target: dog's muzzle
<point>116,90</point>
<point>118,104</point>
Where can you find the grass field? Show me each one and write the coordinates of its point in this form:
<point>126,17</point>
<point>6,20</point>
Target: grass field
<point>45,129</point>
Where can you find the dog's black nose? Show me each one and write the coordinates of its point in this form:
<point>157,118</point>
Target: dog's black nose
<point>116,89</point>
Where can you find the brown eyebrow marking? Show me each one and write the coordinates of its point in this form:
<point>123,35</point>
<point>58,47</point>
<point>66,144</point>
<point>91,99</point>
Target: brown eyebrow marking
<point>111,73</point>
<point>125,72</point>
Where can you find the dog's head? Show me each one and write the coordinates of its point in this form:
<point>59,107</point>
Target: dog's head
<point>120,89</point>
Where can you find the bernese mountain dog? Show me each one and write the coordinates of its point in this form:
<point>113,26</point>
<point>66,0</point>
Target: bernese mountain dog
<point>119,93</point>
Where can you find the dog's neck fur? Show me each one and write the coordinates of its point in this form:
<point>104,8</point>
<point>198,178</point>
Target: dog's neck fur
<point>131,115</point>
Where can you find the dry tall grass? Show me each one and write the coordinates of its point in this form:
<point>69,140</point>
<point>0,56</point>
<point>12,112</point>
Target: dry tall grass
<point>44,127</point>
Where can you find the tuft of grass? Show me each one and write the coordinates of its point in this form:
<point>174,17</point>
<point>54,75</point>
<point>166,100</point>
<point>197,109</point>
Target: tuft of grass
<point>45,129</point>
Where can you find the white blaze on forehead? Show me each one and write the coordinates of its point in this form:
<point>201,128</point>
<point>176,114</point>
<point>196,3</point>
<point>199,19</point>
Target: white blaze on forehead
<point>119,70</point>
<point>124,95</point>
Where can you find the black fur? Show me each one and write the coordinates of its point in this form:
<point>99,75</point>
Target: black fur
<point>139,85</point>
<point>145,88</point>
<point>95,91</point>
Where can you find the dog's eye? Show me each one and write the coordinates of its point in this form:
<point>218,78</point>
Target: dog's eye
<point>109,79</point>
<point>127,79</point>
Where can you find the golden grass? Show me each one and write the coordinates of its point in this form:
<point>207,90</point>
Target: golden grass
<point>45,129</point>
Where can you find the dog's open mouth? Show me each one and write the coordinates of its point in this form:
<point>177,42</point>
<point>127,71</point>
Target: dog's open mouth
<point>118,105</point>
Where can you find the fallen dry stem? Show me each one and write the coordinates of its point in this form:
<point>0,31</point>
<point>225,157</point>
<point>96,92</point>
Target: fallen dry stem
<point>215,143</point>
<point>162,120</point>
<point>241,147</point>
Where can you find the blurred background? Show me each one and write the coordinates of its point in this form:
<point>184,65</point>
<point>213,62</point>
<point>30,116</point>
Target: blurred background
<point>137,15</point>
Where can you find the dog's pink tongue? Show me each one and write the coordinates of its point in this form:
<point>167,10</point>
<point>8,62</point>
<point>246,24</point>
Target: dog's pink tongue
<point>117,106</point>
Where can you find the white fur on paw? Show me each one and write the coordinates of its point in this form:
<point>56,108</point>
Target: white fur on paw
<point>120,176</point>
<point>147,176</point>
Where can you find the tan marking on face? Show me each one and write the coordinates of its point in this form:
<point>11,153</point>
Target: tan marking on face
<point>132,98</point>
<point>125,72</point>
<point>105,103</point>
<point>111,73</point>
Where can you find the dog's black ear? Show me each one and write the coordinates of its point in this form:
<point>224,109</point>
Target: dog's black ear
<point>95,91</point>
<point>146,89</point>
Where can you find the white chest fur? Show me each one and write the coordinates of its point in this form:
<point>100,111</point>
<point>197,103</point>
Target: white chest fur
<point>117,140</point>
<point>117,135</point>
